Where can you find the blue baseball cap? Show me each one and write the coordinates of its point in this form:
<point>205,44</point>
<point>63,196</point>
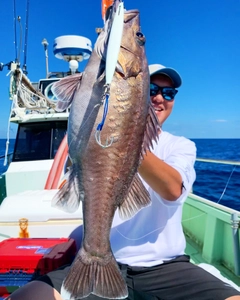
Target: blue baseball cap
<point>170,72</point>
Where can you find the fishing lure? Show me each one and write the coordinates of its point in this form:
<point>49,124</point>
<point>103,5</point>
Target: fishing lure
<point>113,49</point>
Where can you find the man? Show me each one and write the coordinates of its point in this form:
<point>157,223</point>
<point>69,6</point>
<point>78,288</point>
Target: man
<point>150,246</point>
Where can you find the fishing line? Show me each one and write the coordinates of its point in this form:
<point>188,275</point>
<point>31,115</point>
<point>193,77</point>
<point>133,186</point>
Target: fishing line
<point>188,219</point>
<point>157,229</point>
<point>226,184</point>
<point>95,106</point>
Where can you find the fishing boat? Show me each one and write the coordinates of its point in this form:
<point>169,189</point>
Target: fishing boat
<point>38,162</point>
<point>38,165</point>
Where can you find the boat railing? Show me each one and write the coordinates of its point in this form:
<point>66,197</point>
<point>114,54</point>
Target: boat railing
<point>218,161</point>
<point>205,205</point>
<point>235,165</point>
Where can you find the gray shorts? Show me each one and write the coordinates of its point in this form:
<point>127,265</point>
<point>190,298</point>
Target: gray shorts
<point>177,279</point>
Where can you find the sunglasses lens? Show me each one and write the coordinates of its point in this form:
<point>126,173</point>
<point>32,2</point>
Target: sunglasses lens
<point>168,93</point>
<point>154,89</point>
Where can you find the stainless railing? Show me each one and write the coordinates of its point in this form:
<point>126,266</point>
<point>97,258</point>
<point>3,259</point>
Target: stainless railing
<point>219,161</point>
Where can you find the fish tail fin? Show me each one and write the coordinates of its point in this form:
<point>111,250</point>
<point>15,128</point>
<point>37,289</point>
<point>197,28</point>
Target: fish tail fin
<point>95,275</point>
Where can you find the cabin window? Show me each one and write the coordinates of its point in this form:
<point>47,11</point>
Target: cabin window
<point>38,141</point>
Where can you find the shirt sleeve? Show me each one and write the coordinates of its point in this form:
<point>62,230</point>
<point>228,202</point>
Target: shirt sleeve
<point>181,156</point>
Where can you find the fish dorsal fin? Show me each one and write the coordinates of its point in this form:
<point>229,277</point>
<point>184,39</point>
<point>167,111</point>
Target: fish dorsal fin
<point>151,131</point>
<point>70,194</point>
<point>137,198</point>
<point>64,90</point>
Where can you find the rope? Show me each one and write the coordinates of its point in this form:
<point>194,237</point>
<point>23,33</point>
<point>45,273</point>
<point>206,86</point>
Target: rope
<point>8,137</point>
<point>8,128</point>
<point>26,99</point>
<point>22,99</point>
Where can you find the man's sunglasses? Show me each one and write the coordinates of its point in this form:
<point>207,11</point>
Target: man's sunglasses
<point>168,93</point>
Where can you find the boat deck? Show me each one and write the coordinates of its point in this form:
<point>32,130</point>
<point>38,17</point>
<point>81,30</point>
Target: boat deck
<point>216,269</point>
<point>208,231</point>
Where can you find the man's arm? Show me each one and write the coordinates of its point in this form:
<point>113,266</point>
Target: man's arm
<point>161,177</point>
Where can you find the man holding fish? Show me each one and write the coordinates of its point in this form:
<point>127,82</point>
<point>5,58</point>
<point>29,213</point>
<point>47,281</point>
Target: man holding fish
<point>132,178</point>
<point>150,246</point>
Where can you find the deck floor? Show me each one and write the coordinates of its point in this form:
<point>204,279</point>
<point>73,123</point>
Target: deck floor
<point>196,257</point>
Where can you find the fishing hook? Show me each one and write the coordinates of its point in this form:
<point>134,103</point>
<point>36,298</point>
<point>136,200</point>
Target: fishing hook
<point>100,125</point>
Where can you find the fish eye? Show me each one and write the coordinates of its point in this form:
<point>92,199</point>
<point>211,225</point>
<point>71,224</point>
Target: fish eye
<point>139,34</point>
<point>140,38</point>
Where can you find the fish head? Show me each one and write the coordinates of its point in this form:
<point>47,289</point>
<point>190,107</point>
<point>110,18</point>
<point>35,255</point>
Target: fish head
<point>132,59</point>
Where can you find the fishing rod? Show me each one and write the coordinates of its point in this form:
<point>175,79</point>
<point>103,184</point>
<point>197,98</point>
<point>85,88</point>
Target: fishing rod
<point>20,41</point>
<point>18,50</point>
<point>15,30</point>
<point>8,65</point>
<point>25,44</point>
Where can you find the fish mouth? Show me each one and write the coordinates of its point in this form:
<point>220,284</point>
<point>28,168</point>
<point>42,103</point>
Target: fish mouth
<point>129,50</point>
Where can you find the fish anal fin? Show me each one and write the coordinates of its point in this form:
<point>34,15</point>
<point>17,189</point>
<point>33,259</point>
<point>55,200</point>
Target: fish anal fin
<point>98,276</point>
<point>137,198</point>
<point>68,197</point>
<point>64,90</point>
<point>151,132</point>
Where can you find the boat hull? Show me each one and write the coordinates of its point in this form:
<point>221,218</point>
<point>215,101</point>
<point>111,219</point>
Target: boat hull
<point>209,234</point>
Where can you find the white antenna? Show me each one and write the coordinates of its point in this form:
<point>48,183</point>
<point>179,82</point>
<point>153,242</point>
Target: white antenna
<point>73,49</point>
<point>73,65</point>
<point>45,45</point>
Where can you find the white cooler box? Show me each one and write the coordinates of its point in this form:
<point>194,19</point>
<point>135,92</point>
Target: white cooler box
<point>30,214</point>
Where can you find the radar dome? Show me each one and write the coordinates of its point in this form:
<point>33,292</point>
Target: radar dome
<point>72,47</point>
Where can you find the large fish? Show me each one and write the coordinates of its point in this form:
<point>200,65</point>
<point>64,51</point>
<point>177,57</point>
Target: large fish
<point>104,165</point>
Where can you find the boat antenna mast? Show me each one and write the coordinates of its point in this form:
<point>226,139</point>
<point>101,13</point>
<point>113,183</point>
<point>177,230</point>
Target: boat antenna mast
<point>45,46</point>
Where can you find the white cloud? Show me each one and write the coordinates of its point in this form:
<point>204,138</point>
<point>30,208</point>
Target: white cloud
<point>220,121</point>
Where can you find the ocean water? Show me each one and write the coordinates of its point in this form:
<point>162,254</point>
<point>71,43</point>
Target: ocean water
<point>216,182</point>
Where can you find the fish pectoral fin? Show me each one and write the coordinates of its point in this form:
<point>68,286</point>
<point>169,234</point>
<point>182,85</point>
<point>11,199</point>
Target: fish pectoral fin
<point>68,197</point>
<point>64,90</point>
<point>151,132</point>
<point>90,274</point>
<point>137,198</point>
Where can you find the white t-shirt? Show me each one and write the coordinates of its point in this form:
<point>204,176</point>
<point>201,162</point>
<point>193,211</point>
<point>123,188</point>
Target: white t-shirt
<point>155,234</point>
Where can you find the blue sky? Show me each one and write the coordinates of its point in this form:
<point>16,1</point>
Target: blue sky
<point>199,38</point>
